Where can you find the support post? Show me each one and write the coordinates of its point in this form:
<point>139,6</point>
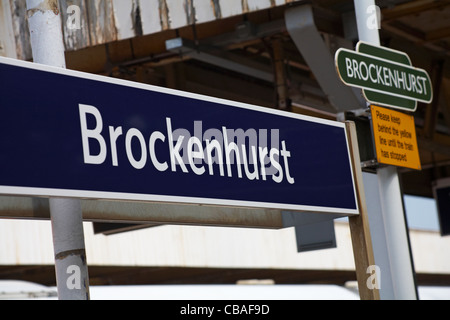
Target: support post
<point>66,216</point>
<point>359,228</point>
<point>391,244</point>
<point>70,255</point>
<point>280,75</point>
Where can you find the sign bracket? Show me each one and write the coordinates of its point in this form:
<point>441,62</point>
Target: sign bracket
<point>359,225</point>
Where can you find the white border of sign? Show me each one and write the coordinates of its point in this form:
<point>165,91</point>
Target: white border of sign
<point>43,192</point>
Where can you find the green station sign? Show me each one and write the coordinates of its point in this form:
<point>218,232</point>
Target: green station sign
<point>386,76</point>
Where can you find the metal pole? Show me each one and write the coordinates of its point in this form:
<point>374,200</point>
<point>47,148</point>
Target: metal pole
<point>66,216</point>
<point>391,248</point>
<point>70,255</point>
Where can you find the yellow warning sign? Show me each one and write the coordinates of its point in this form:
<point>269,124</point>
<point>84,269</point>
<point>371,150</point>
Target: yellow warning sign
<point>395,138</point>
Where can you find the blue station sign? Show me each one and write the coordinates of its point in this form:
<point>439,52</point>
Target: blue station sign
<point>70,134</point>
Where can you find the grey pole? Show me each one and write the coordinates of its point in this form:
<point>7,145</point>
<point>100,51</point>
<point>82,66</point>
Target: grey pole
<point>67,222</point>
<point>386,216</point>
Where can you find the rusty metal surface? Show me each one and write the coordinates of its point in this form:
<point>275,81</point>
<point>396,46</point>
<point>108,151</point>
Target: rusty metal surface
<point>105,21</point>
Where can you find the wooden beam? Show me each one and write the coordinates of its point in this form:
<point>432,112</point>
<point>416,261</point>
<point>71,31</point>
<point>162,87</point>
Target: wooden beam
<point>414,35</point>
<point>359,225</point>
<point>407,31</point>
<point>439,144</point>
<point>410,8</point>
<point>446,93</point>
<point>280,75</point>
<point>438,34</point>
<point>433,146</point>
<point>433,108</point>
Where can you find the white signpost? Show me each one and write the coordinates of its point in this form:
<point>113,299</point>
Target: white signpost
<point>385,204</point>
<point>67,220</point>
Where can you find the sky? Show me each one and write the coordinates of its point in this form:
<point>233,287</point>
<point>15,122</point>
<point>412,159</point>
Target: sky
<point>421,213</point>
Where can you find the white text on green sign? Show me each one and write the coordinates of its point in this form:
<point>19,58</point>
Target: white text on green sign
<point>383,76</point>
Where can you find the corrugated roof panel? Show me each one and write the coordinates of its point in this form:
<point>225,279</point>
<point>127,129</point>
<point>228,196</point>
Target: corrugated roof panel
<point>204,11</point>
<point>102,21</point>
<point>150,16</point>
